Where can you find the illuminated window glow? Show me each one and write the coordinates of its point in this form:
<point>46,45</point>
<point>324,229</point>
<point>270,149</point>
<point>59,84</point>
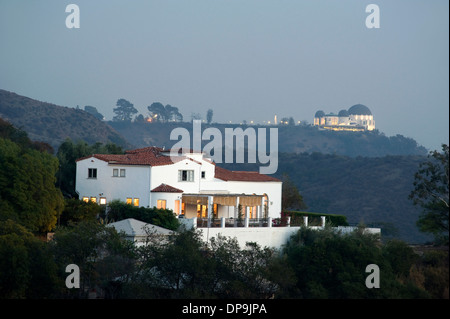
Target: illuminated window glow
<point>161,204</point>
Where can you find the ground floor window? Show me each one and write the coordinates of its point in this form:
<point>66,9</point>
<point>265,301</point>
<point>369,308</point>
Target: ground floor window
<point>202,211</point>
<point>177,207</point>
<point>253,212</point>
<point>102,200</point>
<point>136,202</point>
<point>161,204</point>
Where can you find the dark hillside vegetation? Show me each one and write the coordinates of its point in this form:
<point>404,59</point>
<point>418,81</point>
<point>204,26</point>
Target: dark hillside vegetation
<point>291,139</point>
<point>369,190</point>
<point>52,124</point>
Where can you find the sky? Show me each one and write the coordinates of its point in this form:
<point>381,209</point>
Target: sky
<point>245,59</point>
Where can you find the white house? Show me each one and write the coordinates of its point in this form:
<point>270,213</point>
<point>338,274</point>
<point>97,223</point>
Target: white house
<point>190,184</point>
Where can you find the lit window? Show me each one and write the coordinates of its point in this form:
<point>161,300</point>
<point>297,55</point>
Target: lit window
<point>136,202</point>
<point>115,172</point>
<point>129,200</point>
<point>92,173</point>
<point>94,199</point>
<point>186,175</point>
<point>161,204</point>
<point>86,199</point>
<point>122,172</point>
<point>102,200</point>
<point>177,207</point>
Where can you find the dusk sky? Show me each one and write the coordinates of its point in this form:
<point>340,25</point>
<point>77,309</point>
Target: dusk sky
<point>245,59</point>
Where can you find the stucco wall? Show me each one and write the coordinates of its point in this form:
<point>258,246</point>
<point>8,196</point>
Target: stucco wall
<point>135,184</point>
<point>274,237</point>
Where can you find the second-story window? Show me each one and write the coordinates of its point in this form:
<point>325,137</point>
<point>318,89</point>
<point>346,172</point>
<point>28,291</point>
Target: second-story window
<point>118,172</point>
<point>92,173</point>
<point>186,175</point>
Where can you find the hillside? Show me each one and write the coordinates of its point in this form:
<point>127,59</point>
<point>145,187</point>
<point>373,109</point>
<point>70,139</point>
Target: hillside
<point>291,139</point>
<point>364,176</point>
<point>373,191</point>
<point>52,124</point>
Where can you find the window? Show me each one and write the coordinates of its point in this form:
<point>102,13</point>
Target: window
<point>92,173</point>
<point>116,172</point>
<point>203,174</point>
<point>94,199</point>
<point>86,199</point>
<point>136,202</point>
<point>102,200</point>
<point>202,211</point>
<point>186,175</point>
<point>129,200</point>
<point>161,204</point>
<point>177,207</point>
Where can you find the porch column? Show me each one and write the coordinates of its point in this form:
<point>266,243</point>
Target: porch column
<point>323,220</point>
<point>210,205</point>
<point>236,211</point>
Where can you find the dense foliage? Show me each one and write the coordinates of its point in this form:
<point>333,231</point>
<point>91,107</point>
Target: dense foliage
<point>314,219</point>
<point>314,264</point>
<point>28,194</point>
<point>118,210</point>
<point>432,194</point>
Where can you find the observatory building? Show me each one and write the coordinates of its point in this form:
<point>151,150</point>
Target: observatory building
<point>356,118</point>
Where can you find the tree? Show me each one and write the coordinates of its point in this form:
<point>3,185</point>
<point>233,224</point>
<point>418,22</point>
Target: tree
<point>161,113</point>
<point>124,110</point>
<point>76,210</point>
<point>119,210</point>
<point>328,264</point>
<point>99,251</point>
<point>209,116</point>
<point>173,114</point>
<point>431,192</point>
<point>157,112</point>
<point>291,198</point>
<point>93,110</point>
<point>27,269</point>
<point>68,153</point>
<point>28,193</point>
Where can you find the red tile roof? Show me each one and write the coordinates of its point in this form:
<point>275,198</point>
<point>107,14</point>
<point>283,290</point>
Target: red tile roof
<point>153,156</point>
<point>164,188</point>
<point>242,176</point>
<point>144,156</point>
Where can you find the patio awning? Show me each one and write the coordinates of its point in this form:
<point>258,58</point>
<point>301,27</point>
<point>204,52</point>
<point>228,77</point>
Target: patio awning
<point>225,200</point>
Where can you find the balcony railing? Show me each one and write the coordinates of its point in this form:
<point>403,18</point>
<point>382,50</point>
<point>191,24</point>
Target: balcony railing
<point>257,222</point>
<point>233,222</point>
